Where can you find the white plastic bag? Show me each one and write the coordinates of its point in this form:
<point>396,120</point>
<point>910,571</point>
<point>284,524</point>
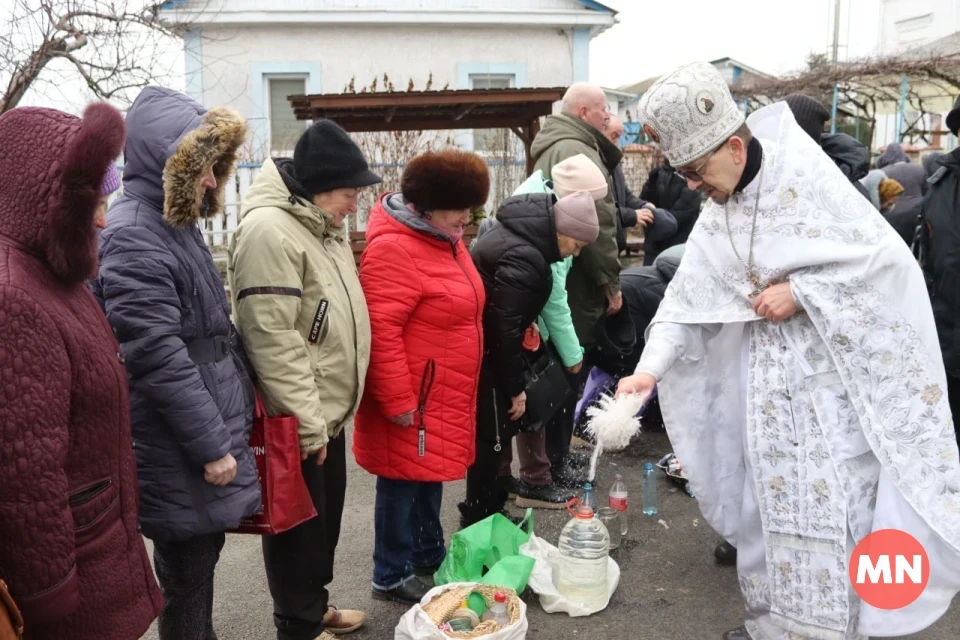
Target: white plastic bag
<point>546,572</point>
<point>417,625</point>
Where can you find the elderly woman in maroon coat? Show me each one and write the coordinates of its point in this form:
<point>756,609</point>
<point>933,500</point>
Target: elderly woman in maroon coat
<point>69,546</point>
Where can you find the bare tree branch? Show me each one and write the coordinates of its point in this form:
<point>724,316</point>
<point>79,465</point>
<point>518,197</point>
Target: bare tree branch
<point>862,84</point>
<point>111,44</point>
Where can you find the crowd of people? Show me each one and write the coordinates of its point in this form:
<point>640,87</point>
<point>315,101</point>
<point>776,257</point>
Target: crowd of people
<point>750,317</point>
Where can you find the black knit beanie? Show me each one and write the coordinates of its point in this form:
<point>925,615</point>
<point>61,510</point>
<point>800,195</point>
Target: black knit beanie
<point>953,118</point>
<point>810,114</point>
<point>327,158</point>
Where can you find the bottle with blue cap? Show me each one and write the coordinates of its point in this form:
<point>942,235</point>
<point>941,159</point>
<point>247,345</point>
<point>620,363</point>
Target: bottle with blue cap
<point>649,489</point>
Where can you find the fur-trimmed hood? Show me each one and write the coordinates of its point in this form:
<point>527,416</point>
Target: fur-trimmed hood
<point>173,141</point>
<point>51,168</point>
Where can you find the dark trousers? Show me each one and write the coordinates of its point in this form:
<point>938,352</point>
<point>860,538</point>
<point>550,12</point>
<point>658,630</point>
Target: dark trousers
<point>185,573</point>
<point>534,463</point>
<point>560,430</point>
<point>953,397</point>
<point>407,530</point>
<point>299,562</point>
<point>485,496</point>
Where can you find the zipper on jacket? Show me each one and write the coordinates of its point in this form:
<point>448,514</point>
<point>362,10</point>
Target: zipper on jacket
<point>476,299</point>
<point>496,421</point>
<point>87,494</point>
<point>426,384</point>
<point>353,316</point>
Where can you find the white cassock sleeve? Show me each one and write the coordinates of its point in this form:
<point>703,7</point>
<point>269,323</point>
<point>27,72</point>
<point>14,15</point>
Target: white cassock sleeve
<point>668,342</point>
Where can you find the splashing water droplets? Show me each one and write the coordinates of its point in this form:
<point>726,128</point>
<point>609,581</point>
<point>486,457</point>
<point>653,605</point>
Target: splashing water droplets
<point>612,423</point>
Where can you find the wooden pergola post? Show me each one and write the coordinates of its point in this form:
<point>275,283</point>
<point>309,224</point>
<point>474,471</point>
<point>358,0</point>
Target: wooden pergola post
<point>527,134</point>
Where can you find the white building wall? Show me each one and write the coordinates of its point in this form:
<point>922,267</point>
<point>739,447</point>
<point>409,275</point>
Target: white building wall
<point>229,55</point>
<point>906,24</point>
<point>387,5</point>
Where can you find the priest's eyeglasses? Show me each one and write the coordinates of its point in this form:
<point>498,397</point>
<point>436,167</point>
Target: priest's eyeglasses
<point>694,175</point>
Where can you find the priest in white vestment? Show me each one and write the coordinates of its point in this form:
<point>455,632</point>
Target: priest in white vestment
<point>799,370</point>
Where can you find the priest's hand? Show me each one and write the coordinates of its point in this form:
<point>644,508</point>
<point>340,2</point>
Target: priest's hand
<point>775,303</point>
<point>641,384</point>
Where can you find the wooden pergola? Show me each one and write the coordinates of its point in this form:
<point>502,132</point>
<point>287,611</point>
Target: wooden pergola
<point>518,110</point>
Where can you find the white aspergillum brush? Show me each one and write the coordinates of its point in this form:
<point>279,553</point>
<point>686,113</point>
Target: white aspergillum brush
<point>613,422</point>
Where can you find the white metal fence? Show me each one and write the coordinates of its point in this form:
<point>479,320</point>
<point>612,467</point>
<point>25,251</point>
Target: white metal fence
<point>505,176</point>
<point>217,228</point>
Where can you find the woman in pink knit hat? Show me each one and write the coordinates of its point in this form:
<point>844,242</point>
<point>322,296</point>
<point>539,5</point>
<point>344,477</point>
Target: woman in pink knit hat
<point>514,259</point>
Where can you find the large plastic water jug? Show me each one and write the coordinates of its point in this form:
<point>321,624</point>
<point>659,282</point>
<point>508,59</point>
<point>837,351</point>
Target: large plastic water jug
<point>584,549</point>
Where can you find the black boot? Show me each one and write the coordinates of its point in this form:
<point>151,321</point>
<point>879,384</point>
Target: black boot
<point>726,555</point>
<point>510,485</point>
<point>468,518</point>
<point>410,592</point>
<point>546,497</point>
<point>740,633</point>
<point>425,572</point>
<point>569,476</point>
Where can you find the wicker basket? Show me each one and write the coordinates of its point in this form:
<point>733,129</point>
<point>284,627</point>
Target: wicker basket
<point>442,608</point>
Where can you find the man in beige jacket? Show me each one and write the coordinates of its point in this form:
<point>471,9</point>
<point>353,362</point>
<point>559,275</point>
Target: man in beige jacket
<point>301,313</point>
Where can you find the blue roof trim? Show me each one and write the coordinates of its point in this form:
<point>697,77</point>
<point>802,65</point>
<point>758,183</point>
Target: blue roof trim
<point>592,4</point>
<point>172,4</point>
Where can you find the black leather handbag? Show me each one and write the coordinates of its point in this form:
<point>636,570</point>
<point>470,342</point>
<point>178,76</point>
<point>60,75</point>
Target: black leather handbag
<point>546,388</point>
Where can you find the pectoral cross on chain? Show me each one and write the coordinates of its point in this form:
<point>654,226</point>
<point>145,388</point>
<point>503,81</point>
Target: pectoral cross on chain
<point>758,287</point>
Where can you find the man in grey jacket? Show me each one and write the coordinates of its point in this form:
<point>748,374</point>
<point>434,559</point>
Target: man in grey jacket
<point>658,224</point>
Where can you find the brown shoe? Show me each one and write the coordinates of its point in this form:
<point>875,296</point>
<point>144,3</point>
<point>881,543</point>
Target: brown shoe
<point>326,635</point>
<point>342,621</point>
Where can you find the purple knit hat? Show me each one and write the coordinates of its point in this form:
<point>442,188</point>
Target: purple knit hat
<point>576,216</point>
<point>111,182</point>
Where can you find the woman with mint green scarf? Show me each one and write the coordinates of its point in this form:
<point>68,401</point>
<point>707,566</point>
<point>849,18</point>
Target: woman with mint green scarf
<point>537,487</point>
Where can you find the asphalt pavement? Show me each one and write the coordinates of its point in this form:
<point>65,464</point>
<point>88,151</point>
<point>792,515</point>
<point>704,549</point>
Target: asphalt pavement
<point>670,588</point>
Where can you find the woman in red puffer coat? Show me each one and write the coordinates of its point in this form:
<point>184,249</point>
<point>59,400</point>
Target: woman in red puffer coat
<point>70,549</point>
<point>416,425</point>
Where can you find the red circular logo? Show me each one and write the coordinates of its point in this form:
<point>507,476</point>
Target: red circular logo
<point>889,569</point>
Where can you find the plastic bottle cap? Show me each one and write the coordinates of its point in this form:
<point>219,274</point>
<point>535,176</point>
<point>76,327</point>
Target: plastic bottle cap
<point>584,513</point>
<point>500,597</point>
<point>587,485</point>
<point>647,466</point>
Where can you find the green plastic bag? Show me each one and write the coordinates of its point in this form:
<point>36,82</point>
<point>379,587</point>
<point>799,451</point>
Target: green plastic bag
<point>488,552</point>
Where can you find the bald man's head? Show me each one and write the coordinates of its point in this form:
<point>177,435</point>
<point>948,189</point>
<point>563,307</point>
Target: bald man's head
<point>614,130</point>
<point>587,102</point>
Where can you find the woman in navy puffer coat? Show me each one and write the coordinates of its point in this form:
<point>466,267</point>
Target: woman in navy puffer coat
<point>191,396</point>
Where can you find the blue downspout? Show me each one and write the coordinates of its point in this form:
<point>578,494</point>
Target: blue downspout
<point>904,84</point>
<point>833,113</point>
<point>581,54</point>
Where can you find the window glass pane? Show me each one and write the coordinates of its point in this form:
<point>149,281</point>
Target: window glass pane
<point>491,139</point>
<point>492,82</point>
<point>285,129</point>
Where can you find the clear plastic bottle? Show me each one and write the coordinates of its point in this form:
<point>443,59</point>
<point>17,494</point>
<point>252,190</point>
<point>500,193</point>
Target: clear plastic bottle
<point>649,489</point>
<point>619,501</point>
<point>498,610</point>
<point>584,549</point>
<point>588,498</point>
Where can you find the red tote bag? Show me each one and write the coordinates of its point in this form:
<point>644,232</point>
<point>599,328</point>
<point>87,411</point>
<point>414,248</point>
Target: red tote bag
<point>285,499</point>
